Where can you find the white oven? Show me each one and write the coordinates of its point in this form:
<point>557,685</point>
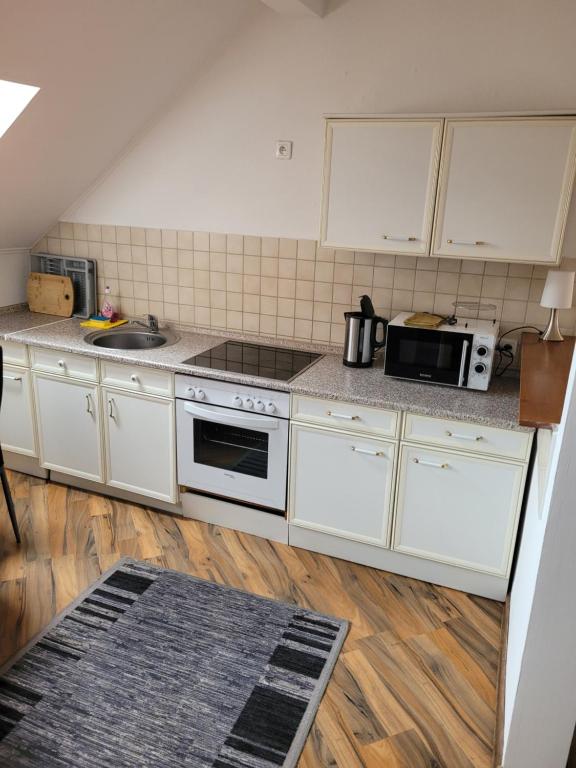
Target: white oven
<point>232,441</point>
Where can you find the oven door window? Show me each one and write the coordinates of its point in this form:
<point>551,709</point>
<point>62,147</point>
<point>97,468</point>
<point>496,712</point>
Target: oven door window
<point>428,355</point>
<point>231,448</point>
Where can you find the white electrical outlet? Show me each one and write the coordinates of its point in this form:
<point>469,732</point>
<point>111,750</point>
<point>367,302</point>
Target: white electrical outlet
<point>509,344</point>
<point>284,150</point>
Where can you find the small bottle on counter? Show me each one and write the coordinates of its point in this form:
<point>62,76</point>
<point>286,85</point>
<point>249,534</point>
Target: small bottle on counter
<point>107,310</point>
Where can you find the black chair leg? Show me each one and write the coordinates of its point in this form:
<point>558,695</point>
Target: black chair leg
<point>10,503</point>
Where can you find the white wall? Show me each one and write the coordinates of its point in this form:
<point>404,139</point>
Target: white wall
<point>541,664</point>
<point>105,68</point>
<point>14,268</point>
<point>209,163</point>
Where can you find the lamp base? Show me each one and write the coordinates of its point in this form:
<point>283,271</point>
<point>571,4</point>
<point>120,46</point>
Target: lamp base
<point>552,332</point>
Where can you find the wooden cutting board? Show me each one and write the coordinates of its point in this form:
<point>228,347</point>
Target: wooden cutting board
<point>50,294</point>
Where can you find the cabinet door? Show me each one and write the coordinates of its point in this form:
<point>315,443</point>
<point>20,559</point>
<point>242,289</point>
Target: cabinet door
<point>457,509</point>
<point>505,187</point>
<point>341,484</point>
<point>379,184</point>
<point>68,417</point>
<point>140,444</point>
<point>17,431</point>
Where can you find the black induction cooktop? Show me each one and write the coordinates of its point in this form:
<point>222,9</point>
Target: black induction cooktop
<point>278,363</point>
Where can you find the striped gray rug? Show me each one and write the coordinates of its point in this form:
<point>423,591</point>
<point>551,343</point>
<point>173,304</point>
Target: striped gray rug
<point>154,668</point>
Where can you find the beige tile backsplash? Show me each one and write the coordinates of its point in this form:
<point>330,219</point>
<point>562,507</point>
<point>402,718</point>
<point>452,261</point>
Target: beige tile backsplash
<point>288,288</point>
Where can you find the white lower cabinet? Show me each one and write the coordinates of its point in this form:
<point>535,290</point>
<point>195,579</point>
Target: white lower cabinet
<point>17,430</point>
<point>458,509</point>
<point>140,443</point>
<point>68,418</point>
<point>341,483</point>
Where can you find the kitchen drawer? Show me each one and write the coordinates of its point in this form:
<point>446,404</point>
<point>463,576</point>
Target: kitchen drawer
<point>138,379</point>
<point>64,364</point>
<point>477,438</point>
<point>15,353</point>
<point>357,418</point>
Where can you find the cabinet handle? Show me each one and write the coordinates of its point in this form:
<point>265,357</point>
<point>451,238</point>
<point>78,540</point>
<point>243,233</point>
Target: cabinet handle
<point>400,239</point>
<point>134,378</point>
<point>89,405</point>
<point>367,452</point>
<point>472,438</point>
<point>430,464</point>
<point>111,406</point>
<point>11,378</point>
<point>62,363</point>
<point>466,242</point>
<point>342,416</point>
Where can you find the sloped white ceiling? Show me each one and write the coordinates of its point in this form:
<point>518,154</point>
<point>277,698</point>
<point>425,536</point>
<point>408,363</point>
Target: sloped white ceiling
<point>105,69</point>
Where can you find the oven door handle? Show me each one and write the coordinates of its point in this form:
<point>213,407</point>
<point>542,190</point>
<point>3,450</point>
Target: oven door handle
<point>263,423</point>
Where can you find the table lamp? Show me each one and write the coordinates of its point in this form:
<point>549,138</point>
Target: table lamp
<point>557,294</point>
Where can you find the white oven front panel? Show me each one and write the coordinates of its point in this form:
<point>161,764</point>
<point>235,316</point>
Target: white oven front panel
<point>232,453</point>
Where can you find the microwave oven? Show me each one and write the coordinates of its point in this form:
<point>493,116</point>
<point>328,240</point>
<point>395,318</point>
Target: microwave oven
<point>460,355</point>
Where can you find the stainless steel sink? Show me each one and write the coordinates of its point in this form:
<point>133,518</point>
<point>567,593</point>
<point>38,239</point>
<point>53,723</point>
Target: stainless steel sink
<point>127,337</point>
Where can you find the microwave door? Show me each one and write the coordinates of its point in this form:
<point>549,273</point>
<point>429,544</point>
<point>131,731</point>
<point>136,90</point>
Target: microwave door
<point>428,355</point>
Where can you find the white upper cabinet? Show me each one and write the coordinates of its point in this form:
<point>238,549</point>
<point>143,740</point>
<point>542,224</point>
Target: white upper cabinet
<point>379,184</point>
<point>504,188</point>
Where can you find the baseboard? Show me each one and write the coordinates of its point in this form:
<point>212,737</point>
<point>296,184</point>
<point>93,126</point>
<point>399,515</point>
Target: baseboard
<point>501,689</point>
<point>114,493</point>
<point>463,579</point>
<point>235,516</point>
<point>28,465</point>
<point>198,507</point>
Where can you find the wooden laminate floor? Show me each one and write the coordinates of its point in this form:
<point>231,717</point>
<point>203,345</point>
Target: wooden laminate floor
<point>415,686</point>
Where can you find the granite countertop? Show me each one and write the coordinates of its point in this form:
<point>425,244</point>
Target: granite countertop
<point>12,322</point>
<point>327,378</point>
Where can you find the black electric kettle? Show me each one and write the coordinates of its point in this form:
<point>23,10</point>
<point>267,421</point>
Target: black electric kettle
<point>360,342</point>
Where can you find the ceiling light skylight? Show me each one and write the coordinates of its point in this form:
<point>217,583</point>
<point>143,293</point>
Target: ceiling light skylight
<point>14,98</point>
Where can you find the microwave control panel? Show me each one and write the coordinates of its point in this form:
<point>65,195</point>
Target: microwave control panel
<point>481,361</point>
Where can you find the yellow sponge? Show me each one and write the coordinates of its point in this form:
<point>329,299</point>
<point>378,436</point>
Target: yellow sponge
<point>102,324</point>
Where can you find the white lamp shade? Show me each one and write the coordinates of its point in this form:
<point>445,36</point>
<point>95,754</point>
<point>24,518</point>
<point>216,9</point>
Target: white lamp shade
<point>557,293</point>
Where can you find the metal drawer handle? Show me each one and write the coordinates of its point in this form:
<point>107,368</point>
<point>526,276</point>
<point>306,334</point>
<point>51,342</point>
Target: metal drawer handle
<point>89,405</point>
<point>431,464</point>
<point>111,406</point>
<point>456,436</point>
<point>400,239</point>
<point>466,242</point>
<point>11,378</point>
<point>62,363</point>
<point>367,452</point>
<point>342,416</point>
<point>134,378</point>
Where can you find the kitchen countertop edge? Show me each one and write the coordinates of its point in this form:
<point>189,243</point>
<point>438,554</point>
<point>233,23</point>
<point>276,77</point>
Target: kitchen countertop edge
<point>326,379</point>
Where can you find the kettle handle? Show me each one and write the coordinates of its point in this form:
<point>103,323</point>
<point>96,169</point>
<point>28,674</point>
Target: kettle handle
<point>380,321</point>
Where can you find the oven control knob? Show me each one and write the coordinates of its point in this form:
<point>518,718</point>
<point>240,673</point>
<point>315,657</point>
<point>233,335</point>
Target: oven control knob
<point>480,368</point>
<point>270,407</point>
<point>200,394</point>
<point>190,392</point>
<point>248,403</point>
<point>481,351</point>
<point>237,401</point>
<point>259,405</point>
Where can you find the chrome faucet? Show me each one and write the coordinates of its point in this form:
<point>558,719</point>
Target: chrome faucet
<point>151,323</point>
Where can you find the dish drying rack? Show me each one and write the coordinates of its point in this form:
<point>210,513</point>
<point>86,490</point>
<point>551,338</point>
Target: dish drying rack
<point>82,272</point>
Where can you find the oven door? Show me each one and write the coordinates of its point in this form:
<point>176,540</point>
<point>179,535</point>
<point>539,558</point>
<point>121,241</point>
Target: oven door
<point>425,354</point>
<point>242,456</point>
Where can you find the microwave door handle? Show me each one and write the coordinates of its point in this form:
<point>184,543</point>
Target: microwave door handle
<point>462,363</point>
<point>263,423</point>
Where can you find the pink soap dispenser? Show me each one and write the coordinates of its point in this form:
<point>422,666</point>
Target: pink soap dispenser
<point>107,310</point>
